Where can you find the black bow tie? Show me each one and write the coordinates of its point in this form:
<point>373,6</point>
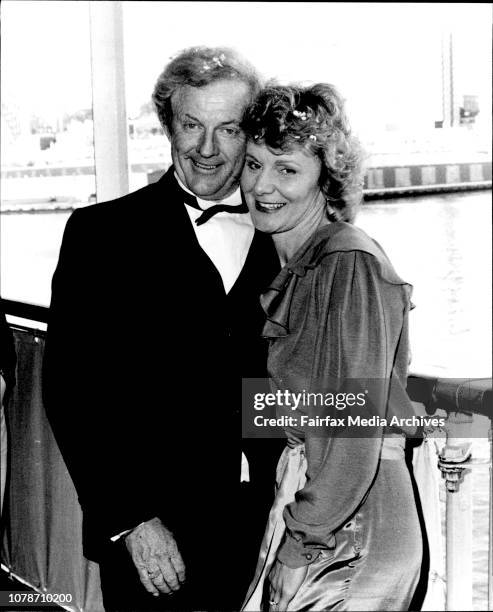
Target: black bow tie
<point>213,210</point>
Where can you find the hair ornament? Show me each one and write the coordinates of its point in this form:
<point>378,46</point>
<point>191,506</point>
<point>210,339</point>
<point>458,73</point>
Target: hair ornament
<point>301,115</point>
<point>214,62</point>
<point>218,60</point>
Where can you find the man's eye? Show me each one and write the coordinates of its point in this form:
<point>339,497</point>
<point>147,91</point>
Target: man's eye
<point>229,131</point>
<point>189,125</point>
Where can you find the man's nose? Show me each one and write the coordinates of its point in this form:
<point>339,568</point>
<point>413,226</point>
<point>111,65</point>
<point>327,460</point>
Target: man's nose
<point>263,184</point>
<point>207,146</point>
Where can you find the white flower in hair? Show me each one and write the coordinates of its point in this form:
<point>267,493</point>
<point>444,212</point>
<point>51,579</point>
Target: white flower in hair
<point>218,60</point>
<point>301,114</point>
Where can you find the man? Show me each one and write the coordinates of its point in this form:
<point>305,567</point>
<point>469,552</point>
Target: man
<point>154,320</point>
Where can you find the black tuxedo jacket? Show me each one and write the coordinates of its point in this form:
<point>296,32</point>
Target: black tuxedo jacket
<point>143,364</point>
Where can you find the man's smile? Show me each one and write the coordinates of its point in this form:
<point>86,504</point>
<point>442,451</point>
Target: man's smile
<point>204,167</point>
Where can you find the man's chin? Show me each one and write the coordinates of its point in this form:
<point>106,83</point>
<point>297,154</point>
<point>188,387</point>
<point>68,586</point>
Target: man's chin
<point>210,190</point>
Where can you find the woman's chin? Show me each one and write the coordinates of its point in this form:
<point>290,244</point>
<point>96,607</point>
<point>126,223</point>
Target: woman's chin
<point>265,227</point>
<point>265,222</point>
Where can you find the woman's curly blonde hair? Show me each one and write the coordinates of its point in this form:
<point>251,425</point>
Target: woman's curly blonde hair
<point>286,116</point>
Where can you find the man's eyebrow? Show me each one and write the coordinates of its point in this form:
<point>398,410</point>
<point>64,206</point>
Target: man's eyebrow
<point>187,116</point>
<point>227,122</point>
<point>235,121</point>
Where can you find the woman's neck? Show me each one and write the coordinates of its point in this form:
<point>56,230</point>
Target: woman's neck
<point>287,243</point>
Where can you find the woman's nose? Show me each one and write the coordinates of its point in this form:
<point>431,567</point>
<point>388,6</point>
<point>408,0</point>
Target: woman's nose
<point>263,184</point>
<point>207,146</point>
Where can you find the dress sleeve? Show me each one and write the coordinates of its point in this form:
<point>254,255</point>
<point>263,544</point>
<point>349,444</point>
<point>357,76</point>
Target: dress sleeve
<point>359,322</point>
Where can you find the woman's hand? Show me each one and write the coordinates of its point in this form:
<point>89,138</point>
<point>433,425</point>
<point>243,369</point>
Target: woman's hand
<point>284,584</point>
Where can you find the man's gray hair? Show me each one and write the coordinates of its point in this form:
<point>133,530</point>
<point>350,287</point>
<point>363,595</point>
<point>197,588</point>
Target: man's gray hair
<point>197,67</point>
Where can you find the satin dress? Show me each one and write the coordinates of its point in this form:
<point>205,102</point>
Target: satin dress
<point>344,506</point>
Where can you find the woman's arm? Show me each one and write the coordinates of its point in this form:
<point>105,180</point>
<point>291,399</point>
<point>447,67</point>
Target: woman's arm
<point>358,334</point>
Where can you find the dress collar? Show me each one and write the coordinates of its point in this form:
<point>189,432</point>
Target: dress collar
<point>339,236</point>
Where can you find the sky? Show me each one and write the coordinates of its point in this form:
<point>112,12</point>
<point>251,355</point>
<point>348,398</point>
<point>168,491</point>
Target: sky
<point>384,57</point>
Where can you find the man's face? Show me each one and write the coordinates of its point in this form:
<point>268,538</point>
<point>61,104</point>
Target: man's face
<point>207,145</point>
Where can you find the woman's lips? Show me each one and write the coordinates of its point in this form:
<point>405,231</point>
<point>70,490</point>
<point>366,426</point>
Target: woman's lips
<point>269,207</point>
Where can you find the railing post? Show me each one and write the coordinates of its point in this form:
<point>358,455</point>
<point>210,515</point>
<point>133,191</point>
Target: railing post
<point>453,463</point>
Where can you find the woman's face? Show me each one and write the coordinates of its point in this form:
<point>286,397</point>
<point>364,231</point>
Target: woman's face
<point>282,187</point>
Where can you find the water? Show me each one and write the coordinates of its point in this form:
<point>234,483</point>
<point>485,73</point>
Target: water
<point>441,244</point>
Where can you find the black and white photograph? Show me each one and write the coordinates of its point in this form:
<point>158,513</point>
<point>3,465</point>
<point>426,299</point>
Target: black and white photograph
<point>245,306</point>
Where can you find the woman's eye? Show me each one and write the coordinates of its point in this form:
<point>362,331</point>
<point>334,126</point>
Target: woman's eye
<point>252,165</point>
<point>287,171</point>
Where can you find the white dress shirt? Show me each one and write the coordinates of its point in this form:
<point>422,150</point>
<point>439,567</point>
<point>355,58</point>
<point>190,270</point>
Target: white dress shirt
<point>225,238</point>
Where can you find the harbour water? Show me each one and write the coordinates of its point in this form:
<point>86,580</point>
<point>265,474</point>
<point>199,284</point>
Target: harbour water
<point>441,244</point>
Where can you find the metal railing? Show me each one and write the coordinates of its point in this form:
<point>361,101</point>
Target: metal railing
<point>467,406</point>
<point>30,312</point>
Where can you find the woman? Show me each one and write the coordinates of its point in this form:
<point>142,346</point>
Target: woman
<point>337,320</point>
